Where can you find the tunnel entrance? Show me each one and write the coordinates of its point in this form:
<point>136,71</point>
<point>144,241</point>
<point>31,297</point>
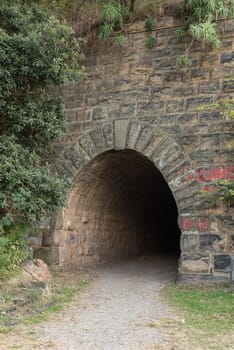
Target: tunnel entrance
<point>120,206</point>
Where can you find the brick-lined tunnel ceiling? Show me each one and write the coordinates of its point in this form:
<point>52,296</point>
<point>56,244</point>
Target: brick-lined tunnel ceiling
<point>121,205</point>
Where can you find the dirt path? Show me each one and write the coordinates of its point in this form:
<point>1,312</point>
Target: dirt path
<point>120,310</point>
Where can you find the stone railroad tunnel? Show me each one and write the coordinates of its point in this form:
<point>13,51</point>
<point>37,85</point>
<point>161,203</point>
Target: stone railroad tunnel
<point>120,206</point>
<point>142,144</point>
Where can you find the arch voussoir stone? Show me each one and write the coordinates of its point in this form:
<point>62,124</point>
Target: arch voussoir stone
<point>120,133</point>
<point>76,157</point>
<point>108,133</point>
<point>143,138</point>
<point>88,145</point>
<point>134,129</point>
<point>98,139</point>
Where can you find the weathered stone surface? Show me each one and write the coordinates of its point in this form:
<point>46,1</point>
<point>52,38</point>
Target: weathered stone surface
<point>195,263</point>
<point>227,57</point>
<point>120,133</point>
<point>209,241</point>
<point>144,138</point>
<point>88,145</point>
<point>138,99</point>
<point>37,269</point>
<point>228,85</point>
<point>222,262</point>
<point>190,242</point>
<point>133,133</point>
<point>77,155</point>
<point>98,140</point>
<point>107,131</point>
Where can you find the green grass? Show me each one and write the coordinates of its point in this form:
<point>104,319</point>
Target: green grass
<point>209,310</point>
<point>24,304</point>
<point>61,296</point>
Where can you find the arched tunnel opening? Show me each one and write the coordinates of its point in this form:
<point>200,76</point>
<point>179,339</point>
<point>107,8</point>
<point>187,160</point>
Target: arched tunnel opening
<point>120,206</point>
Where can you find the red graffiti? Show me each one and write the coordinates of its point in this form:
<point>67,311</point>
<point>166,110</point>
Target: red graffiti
<point>203,224</point>
<point>187,224</point>
<point>219,173</point>
<point>208,189</point>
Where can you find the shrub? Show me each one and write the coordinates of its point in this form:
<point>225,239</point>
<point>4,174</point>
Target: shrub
<point>36,51</point>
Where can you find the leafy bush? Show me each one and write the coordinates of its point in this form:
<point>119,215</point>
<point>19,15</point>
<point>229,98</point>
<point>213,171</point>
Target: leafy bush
<point>36,51</point>
<point>13,249</point>
<point>28,190</point>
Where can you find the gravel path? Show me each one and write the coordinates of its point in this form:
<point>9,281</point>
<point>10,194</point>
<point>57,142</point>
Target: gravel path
<point>120,310</point>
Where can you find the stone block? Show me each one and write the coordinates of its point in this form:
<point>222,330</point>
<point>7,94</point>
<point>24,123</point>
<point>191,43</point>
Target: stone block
<point>98,140</point>
<point>98,113</point>
<point>210,87</point>
<point>77,155</point>
<point>228,85</point>
<point>173,76</point>
<point>128,111</point>
<point>222,262</point>
<point>209,142</point>
<point>175,106</point>
<point>210,242</point>
<point>200,73</point>
<point>209,59</point>
<point>150,108</point>
<point>210,116</point>
<point>195,263</point>
<point>227,57</point>
<point>166,63</point>
<point>190,243</point>
<point>133,133</point>
<point>107,131</point>
<point>88,146</point>
<point>144,138</point>
<point>120,133</point>
<point>194,102</point>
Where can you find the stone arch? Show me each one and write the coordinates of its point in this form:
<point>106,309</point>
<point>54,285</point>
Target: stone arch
<point>152,142</point>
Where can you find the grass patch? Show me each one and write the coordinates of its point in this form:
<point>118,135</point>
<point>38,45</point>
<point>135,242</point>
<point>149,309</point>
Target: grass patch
<point>205,309</point>
<point>29,303</point>
<point>202,317</point>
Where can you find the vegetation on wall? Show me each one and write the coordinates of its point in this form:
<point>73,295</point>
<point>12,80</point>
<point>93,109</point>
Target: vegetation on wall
<point>221,190</point>
<point>36,50</point>
<point>199,21</point>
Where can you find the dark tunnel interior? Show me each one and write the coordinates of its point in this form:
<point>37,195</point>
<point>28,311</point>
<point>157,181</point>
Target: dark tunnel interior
<point>123,206</point>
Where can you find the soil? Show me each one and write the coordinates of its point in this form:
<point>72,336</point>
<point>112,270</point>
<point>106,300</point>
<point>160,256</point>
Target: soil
<point>120,310</point>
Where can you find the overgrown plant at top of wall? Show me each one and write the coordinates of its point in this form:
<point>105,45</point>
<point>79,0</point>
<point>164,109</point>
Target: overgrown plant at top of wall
<point>35,50</point>
<point>199,21</point>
